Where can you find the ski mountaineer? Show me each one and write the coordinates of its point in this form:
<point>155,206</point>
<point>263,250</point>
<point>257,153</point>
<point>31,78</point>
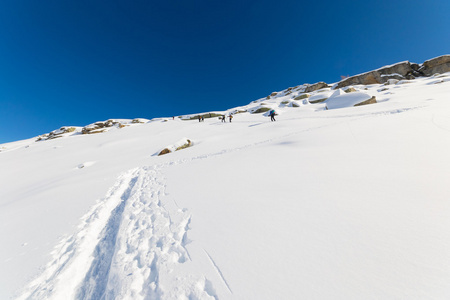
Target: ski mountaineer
<point>272,115</point>
<point>231,117</point>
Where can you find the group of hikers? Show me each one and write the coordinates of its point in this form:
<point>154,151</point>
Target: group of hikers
<point>223,118</point>
<point>272,115</point>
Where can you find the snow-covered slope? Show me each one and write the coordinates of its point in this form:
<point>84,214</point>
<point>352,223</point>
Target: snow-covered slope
<point>339,203</point>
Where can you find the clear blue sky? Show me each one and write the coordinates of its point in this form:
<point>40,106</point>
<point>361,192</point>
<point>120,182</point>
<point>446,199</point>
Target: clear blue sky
<point>77,62</point>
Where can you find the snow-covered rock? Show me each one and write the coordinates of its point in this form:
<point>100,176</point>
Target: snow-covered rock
<point>340,99</point>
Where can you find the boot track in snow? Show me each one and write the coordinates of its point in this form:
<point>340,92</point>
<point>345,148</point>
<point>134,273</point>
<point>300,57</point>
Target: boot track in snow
<point>134,244</point>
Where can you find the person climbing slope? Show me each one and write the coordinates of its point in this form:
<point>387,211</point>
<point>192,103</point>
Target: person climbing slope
<point>272,115</point>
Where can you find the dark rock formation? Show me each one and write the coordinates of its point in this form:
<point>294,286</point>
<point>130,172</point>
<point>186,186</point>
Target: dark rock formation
<point>260,110</point>
<point>302,96</point>
<point>99,127</point>
<point>316,86</point>
<point>187,143</point>
<point>205,116</point>
<point>164,151</point>
<point>184,146</point>
<point>403,70</point>
<point>370,101</point>
<point>439,64</point>
<point>56,133</point>
<point>400,71</point>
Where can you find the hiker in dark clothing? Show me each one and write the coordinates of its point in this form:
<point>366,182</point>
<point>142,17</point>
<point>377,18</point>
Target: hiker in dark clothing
<point>223,118</point>
<point>199,118</point>
<point>231,117</point>
<point>272,115</point>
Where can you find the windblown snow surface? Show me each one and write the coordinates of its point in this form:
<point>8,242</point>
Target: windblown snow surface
<point>347,203</point>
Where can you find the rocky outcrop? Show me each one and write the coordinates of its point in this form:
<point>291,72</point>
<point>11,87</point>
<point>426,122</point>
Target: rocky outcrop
<point>164,151</point>
<point>402,70</point>
<point>350,90</point>
<point>302,96</point>
<point>204,116</point>
<point>56,133</point>
<point>316,86</point>
<point>99,127</point>
<point>182,144</point>
<point>260,110</point>
<point>318,100</point>
<point>439,64</point>
<point>138,121</point>
<point>187,144</point>
<point>372,100</point>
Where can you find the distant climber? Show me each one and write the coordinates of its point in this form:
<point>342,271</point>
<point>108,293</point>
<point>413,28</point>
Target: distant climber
<point>223,118</point>
<point>272,115</point>
<point>231,117</point>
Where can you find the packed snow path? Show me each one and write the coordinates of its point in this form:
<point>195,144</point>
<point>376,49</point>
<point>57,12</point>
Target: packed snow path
<point>138,246</point>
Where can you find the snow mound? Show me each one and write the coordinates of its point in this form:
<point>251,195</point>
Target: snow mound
<point>339,100</point>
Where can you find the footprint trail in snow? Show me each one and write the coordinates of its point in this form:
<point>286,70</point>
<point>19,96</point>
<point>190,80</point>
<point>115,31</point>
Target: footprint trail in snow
<point>135,243</point>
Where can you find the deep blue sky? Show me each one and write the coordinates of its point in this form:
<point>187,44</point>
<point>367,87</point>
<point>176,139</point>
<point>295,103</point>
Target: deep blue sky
<point>77,62</point>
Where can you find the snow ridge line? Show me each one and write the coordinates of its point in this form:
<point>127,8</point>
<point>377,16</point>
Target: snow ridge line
<point>126,248</point>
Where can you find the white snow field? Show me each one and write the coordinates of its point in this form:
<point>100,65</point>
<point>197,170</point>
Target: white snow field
<point>344,203</point>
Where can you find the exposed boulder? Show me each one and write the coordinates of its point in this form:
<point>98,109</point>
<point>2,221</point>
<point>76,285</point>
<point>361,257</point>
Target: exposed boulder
<point>372,100</point>
<point>319,97</point>
<point>302,96</point>
<point>185,145</point>
<point>350,90</point>
<point>238,111</point>
<point>205,116</point>
<point>181,144</point>
<point>439,64</point>
<point>99,127</point>
<point>316,86</point>
<point>399,71</point>
<point>56,133</point>
<point>138,121</point>
<point>260,110</point>
<point>164,151</point>
<point>318,100</point>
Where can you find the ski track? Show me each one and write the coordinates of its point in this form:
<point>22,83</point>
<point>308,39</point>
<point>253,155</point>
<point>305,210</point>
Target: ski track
<point>129,241</point>
<point>216,267</point>
<point>133,241</point>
